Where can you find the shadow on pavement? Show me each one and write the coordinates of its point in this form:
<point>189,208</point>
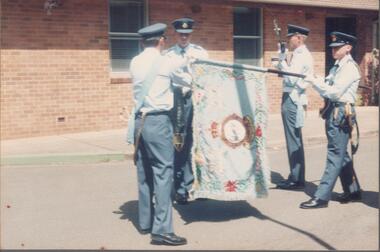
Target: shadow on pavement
<point>217,211</point>
<point>214,211</point>
<point>276,177</point>
<point>369,198</point>
<point>129,211</point>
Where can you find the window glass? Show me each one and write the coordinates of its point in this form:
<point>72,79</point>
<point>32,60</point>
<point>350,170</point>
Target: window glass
<point>247,36</point>
<point>126,18</point>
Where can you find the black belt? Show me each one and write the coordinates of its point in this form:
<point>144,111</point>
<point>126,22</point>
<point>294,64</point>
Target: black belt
<point>154,113</point>
<point>338,104</point>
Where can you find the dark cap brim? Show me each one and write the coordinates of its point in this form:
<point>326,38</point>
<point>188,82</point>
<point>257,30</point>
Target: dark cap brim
<point>152,38</point>
<point>336,44</point>
<point>184,30</point>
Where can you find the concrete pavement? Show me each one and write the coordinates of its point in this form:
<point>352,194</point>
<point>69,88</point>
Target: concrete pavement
<point>94,206</point>
<point>109,145</point>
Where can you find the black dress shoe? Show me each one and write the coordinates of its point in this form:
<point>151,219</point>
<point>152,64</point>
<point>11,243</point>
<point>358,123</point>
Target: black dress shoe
<point>347,197</point>
<point>290,185</point>
<point>314,203</point>
<point>181,199</point>
<point>145,231</point>
<point>168,239</point>
<point>201,199</point>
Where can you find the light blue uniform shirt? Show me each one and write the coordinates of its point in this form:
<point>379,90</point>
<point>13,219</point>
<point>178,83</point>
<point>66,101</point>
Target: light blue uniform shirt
<point>344,82</point>
<point>160,95</point>
<point>301,63</point>
<point>191,50</point>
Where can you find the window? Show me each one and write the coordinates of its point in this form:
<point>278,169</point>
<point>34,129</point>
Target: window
<point>375,34</point>
<point>248,36</point>
<point>126,18</point>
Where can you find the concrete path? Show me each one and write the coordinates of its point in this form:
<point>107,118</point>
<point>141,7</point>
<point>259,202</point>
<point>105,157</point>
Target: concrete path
<point>101,146</point>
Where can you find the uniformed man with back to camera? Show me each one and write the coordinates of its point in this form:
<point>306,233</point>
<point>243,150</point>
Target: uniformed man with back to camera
<point>152,76</point>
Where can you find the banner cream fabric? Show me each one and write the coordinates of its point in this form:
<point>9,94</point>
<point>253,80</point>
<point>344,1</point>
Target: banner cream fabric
<point>229,127</point>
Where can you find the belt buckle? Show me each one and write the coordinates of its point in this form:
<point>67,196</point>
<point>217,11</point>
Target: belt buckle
<point>178,141</point>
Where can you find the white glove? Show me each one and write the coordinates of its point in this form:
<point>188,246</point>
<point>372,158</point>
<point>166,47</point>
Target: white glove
<point>310,78</point>
<point>281,55</point>
<point>190,59</point>
<point>275,63</point>
<point>314,80</point>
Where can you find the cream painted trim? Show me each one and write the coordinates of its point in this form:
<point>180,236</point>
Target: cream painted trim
<point>344,4</point>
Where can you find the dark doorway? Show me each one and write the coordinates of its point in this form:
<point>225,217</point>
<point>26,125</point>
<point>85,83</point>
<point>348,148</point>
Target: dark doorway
<point>342,24</point>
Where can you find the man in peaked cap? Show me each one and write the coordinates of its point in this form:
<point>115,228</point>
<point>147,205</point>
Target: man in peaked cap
<point>152,76</point>
<point>183,109</point>
<point>294,102</point>
<point>339,90</point>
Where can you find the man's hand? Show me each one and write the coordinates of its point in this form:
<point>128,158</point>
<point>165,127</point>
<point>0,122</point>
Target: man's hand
<point>282,51</point>
<point>190,60</point>
<point>310,78</point>
<point>314,80</point>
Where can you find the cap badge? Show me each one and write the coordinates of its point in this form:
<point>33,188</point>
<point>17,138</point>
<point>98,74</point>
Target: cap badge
<point>333,38</point>
<point>185,25</point>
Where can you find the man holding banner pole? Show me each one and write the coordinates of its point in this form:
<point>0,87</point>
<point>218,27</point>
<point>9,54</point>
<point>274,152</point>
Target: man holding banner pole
<point>183,109</point>
<point>339,89</point>
<point>294,102</point>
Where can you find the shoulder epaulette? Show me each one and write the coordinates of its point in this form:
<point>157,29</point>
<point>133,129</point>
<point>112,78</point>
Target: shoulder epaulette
<point>355,64</point>
<point>168,50</point>
<point>198,47</point>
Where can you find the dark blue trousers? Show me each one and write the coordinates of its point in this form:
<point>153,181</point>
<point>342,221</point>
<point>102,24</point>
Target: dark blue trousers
<point>293,138</point>
<point>155,157</point>
<point>338,163</point>
<point>184,177</point>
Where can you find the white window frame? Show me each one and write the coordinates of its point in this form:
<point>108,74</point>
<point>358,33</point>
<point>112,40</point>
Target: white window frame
<point>124,35</point>
<point>260,37</point>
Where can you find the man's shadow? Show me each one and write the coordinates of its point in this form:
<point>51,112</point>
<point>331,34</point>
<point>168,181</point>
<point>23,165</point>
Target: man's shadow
<point>369,198</point>
<point>215,211</point>
<point>129,211</point>
<point>218,211</point>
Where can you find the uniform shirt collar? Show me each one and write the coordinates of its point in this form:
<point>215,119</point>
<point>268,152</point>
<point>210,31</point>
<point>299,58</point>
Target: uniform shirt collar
<point>299,49</point>
<point>343,60</point>
<point>152,51</point>
<point>178,48</point>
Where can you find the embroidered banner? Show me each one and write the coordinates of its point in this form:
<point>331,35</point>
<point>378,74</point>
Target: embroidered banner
<point>230,118</point>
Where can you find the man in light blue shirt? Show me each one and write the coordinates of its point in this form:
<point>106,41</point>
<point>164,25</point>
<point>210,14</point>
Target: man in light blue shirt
<point>339,89</point>
<point>294,102</point>
<point>152,76</point>
<point>183,109</point>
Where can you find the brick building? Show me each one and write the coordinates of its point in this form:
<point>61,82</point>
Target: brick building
<point>64,67</point>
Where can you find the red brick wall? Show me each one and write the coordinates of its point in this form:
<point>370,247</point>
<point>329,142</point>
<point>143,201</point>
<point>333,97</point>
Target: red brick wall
<point>58,65</point>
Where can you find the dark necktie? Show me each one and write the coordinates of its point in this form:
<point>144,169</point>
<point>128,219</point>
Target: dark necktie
<point>332,73</point>
<point>183,52</point>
